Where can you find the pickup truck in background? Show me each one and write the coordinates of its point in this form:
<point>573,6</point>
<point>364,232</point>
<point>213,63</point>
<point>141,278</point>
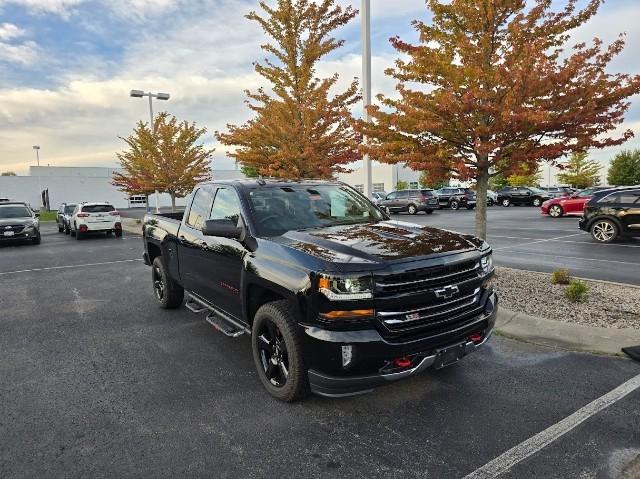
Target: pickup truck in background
<point>336,297</point>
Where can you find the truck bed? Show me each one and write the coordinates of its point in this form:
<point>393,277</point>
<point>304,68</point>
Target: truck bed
<point>158,225</point>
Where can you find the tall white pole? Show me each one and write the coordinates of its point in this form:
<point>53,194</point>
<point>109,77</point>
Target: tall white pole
<point>37,148</point>
<point>366,85</point>
<point>152,125</point>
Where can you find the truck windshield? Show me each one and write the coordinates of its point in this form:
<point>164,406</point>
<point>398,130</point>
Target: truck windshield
<point>14,212</point>
<point>298,207</point>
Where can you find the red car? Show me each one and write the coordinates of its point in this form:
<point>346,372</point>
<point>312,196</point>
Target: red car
<point>571,204</point>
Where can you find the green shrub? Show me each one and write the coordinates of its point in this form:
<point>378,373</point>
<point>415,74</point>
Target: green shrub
<point>576,291</point>
<point>560,276</point>
<point>138,221</point>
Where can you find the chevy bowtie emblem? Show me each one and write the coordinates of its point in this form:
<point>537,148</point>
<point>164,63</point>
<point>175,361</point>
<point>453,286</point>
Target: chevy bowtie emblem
<point>447,292</point>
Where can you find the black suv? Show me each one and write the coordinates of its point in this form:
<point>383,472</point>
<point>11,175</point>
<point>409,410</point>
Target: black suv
<point>410,201</point>
<point>18,222</point>
<point>456,198</point>
<point>522,195</point>
<point>612,213</point>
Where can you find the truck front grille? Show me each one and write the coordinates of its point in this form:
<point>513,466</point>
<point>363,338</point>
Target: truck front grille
<point>15,228</point>
<point>426,279</point>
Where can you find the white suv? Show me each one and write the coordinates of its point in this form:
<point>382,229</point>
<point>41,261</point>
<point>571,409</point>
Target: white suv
<point>95,217</point>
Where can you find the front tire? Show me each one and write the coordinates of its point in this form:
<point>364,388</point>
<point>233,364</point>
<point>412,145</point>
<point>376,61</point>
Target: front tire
<point>67,230</point>
<point>60,228</point>
<point>506,202</point>
<point>412,209</point>
<point>166,290</point>
<point>604,231</point>
<point>429,212</point>
<point>555,211</point>
<point>454,205</point>
<point>37,239</point>
<point>277,352</point>
<point>537,202</point>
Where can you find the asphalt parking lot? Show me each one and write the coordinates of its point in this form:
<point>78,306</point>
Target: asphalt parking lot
<point>522,238</point>
<point>97,381</point>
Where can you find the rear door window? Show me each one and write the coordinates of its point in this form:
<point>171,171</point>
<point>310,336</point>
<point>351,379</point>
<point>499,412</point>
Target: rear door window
<point>97,208</point>
<point>630,197</point>
<point>200,208</point>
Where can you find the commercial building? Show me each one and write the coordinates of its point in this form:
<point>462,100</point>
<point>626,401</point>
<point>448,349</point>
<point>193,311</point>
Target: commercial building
<point>73,184</point>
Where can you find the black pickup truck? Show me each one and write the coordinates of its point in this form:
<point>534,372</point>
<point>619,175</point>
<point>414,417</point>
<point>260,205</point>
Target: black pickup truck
<point>336,297</point>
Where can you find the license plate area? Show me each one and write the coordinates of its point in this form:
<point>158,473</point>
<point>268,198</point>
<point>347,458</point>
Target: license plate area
<point>447,356</point>
<point>9,233</point>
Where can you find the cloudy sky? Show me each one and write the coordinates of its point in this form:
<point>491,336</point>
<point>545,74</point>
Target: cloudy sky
<point>66,67</point>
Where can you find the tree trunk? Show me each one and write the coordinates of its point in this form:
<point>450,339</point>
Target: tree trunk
<point>481,198</point>
<point>173,202</point>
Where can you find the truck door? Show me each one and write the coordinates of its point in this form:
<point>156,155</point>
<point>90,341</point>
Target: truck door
<point>220,259</point>
<point>191,239</point>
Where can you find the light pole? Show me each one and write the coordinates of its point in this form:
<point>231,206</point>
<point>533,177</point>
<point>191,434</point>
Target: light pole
<point>365,12</point>
<point>37,148</point>
<point>159,96</point>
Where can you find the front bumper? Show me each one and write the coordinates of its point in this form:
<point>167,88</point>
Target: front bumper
<point>372,348</point>
<point>25,234</point>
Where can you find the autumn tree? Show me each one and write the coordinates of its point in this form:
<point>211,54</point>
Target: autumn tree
<point>426,181</point>
<point>491,86</point>
<point>170,159</point>
<point>181,160</point>
<point>625,169</point>
<point>138,164</point>
<point>300,130</point>
<point>525,177</point>
<point>580,172</point>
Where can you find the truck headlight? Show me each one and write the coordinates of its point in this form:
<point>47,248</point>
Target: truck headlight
<point>486,263</point>
<point>345,288</point>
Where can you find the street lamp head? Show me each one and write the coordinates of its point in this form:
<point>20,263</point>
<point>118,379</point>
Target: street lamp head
<point>136,93</point>
<point>162,96</point>
<point>36,147</point>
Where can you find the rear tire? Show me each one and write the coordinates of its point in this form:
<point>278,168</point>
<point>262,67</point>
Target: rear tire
<point>118,233</point>
<point>429,212</point>
<point>537,202</point>
<point>604,231</point>
<point>277,352</point>
<point>506,202</point>
<point>166,290</point>
<point>454,205</point>
<point>60,228</point>
<point>67,230</point>
<point>412,209</point>
<point>470,207</point>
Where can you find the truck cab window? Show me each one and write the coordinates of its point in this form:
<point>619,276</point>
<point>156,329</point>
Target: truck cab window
<point>226,206</point>
<point>200,208</point>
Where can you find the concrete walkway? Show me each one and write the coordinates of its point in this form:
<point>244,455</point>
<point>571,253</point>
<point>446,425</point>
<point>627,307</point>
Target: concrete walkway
<point>559,334</point>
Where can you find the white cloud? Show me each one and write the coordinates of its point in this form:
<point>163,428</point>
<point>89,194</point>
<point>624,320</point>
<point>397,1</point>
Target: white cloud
<point>59,7</point>
<point>9,31</point>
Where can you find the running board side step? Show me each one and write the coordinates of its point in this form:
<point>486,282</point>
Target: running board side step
<point>217,318</point>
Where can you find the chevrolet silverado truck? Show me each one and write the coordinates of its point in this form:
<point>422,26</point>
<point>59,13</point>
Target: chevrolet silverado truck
<point>336,297</point>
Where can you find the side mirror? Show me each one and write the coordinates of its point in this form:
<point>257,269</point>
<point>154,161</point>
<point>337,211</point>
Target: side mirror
<point>37,214</point>
<point>223,228</point>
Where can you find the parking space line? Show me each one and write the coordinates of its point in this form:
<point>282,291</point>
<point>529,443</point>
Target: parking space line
<point>533,253</point>
<point>69,266</point>
<point>565,241</point>
<point>531,446</point>
<point>545,240</point>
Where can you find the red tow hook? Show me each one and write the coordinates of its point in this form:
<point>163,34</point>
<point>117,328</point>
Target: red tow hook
<point>475,338</point>
<point>403,362</point>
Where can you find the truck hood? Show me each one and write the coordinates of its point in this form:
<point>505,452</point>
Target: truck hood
<point>378,242</point>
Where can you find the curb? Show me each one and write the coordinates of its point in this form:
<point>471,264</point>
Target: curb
<point>569,336</point>
<point>130,226</point>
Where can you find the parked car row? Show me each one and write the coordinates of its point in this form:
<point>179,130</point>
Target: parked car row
<point>80,219</point>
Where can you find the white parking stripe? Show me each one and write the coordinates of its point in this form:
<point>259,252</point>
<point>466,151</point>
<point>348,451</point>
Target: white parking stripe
<point>531,253</point>
<point>513,456</point>
<point>69,266</point>
<point>545,240</point>
<point>566,241</point>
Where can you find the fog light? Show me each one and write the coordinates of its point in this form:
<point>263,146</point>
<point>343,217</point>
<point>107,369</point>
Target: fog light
<point>347,355</point>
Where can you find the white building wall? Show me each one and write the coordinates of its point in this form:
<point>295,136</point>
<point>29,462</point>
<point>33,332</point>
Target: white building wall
<point>382,174</point>
<point>75,184</point>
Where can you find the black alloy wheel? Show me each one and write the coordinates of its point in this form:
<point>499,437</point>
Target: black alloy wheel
<point>454,205</point>
<point>274,357</point>
<point>159,287</point>
<point>537,202</point>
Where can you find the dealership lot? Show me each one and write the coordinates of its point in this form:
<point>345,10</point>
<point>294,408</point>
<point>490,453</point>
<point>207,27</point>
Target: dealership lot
<point>97,381</point>
<point>524,239</point>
